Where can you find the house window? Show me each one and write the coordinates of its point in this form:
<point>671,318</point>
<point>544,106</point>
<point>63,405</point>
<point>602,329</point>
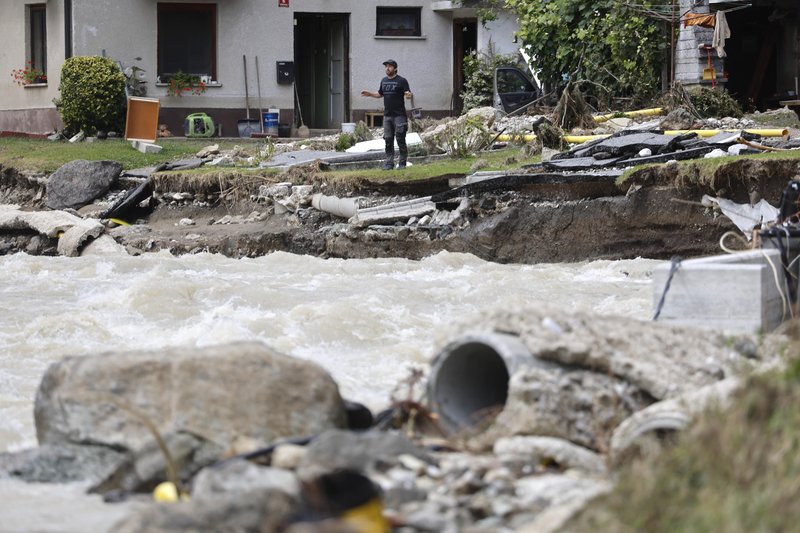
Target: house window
<point>398,21</point>
<point>187,39</point>
<point>37,36</point>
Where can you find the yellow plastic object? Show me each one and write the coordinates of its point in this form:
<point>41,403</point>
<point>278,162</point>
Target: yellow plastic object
<point>166,492</point>
<point>367,518</point>
<point>711,133</point>
<point>528,137</point>
<point>651,112</point>
<point>119,221</point>
<point>578,139</point>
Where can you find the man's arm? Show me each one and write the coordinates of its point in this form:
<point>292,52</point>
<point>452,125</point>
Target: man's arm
<point>407,93</point>
<point>370,93</point>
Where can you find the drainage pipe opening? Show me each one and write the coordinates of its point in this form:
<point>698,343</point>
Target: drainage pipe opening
<point>469,378</point>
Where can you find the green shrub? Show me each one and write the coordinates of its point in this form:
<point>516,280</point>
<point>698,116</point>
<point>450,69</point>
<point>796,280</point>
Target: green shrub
<point>363,133</point>
<point>92,95</point>
<point>344,141</point>
<point>714,103</point>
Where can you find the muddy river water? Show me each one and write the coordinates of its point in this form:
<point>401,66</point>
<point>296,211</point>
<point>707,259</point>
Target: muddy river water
<point>365,321</point>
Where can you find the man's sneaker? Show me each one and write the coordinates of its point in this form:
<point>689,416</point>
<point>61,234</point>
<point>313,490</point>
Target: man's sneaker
<point>387,166</point>
<point>401,165</point>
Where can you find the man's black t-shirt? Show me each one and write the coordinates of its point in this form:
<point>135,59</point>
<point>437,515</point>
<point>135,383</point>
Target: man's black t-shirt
<point>393,92</point>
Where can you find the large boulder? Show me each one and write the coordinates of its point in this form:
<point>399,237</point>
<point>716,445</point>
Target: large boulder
<point>216,393</point>
<point>77,183</point>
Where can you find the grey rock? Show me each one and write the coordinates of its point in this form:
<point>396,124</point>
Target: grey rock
<point>35,246</point>
<point>185,164</point>
<point>581,406</point>
<point>395,497</point>
<point>337,449</point>
<point>430,519</point>
<point>288,456</point>
<point>61,463</point>
<point>550,449</point>
<point>147,467</point>
<point>209,150</point>
<point>240,476</point>
<point>558,497</point>
<point>217,393</point>
<point>254,511</point>
<point>79,182</point>
<point>678,119</point>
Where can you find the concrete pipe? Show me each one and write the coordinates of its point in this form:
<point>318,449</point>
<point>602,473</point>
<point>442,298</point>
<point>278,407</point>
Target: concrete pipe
<point>340,207</point>
<point>470,377</point>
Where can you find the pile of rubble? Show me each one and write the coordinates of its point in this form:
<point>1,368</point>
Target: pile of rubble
<point>581,397</point>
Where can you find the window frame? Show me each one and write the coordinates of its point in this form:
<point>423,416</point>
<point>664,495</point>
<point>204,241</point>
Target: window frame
<point>36,14</point>
<point>414,11</point>
<point>175,7</point>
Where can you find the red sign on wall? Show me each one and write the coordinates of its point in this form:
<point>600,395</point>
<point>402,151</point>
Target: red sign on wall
<point>283,3</point>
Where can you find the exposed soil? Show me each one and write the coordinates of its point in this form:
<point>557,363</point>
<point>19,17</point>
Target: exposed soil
<point>656,215</point>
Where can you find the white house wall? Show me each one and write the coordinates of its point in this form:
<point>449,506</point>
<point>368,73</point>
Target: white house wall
<point>127,30</point>
<point>499,34</point>
<point>29,109</point>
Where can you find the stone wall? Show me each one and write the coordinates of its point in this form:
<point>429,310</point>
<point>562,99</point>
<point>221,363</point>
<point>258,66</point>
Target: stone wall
<point>689,59</point>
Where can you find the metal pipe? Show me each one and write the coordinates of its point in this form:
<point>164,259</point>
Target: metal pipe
<point>67,29</point>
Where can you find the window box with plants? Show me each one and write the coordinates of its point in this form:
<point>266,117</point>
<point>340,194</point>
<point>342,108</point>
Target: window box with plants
<point>28,75</point>
<point>181,83</point>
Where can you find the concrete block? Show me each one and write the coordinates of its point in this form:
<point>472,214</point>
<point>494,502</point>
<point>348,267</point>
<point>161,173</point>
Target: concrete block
<point>736,293</point>
<point>392,212</point>
<point>145,147</point>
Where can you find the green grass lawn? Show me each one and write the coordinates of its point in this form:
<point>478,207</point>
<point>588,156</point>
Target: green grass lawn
<point>704,168</point>
<point>47,156</point>
<point>504,159</point>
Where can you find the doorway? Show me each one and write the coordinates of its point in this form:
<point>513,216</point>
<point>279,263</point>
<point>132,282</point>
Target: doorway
<point>465,42</point>
<point>322,71</point>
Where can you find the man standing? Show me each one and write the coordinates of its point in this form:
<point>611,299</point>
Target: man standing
<point>394,88</point>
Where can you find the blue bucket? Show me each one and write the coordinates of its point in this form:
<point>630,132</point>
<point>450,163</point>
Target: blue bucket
<point>270,121</point>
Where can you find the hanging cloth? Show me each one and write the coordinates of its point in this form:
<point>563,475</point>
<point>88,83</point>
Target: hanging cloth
<point>721,32</point>
<point>704,20</point>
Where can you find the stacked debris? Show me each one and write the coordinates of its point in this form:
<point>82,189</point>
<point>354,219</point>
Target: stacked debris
<point>636,147</point>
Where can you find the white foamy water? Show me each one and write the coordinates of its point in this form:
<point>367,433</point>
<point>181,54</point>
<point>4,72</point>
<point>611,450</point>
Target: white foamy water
<point>365,321</point>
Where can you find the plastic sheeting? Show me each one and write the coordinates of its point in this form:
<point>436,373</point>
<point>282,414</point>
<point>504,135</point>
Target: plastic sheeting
<point>744,216</point>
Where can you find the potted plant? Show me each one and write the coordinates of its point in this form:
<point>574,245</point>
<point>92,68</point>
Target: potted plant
<point>28,75</point>
<point>181,83</point>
